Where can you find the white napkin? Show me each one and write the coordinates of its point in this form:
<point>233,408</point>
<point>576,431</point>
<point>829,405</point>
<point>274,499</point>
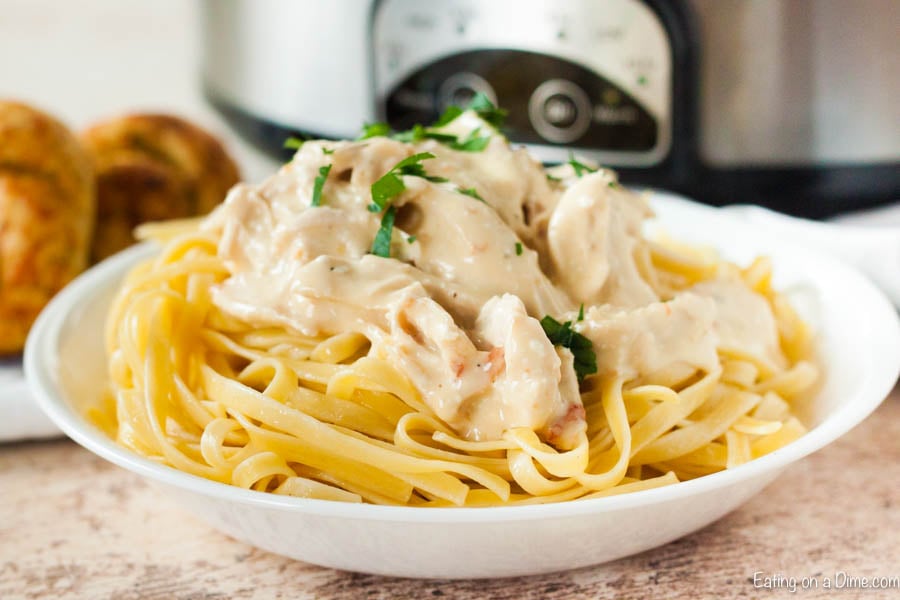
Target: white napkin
<point>20,417</point>
<point>868,240</point>
<point>884,216</point>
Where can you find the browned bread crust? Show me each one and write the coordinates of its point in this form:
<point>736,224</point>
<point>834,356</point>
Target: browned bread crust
<point>153,167</point>
<point>46,215</point>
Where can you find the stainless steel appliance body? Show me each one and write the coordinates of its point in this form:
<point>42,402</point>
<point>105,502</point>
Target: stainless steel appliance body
<point>787,103</point>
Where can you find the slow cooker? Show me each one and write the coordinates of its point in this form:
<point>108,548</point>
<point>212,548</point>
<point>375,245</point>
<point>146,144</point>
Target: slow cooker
<point>791,104</point>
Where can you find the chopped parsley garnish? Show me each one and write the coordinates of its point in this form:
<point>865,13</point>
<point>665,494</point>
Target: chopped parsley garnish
<point>412,165</point>
<point>518,248</point>
<point>293,143</point>
<point>390,185</point>
<point>416,134</point>
<point>473,193</point>
<point>472,143</point>
<point>448,116</point>
<point>482,105</point>
<point>411,239</point>
<point>553,177</point>
<point>580,168</point>
<point>318,184</point>
<point>382,244</point>
<point>580,313</point>
<point>419,133</point>
<point>614,184</point>
<point>562,334</point>
<point>327,150</point>
<point>385,189</point>
<point>371,130</point>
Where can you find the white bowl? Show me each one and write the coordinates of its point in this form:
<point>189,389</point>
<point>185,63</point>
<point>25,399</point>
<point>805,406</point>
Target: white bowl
<point>859,344</point>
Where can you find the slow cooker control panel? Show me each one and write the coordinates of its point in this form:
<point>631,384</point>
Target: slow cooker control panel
<point>592,75</point>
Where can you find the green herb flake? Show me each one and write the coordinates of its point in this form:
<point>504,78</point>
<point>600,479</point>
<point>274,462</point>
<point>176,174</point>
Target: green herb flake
<point>444,138</point>
<point>519,249</point>
<point>448,116</point>
<point>553,177</point>
<point>412,162</point>
<point>562,334</point>
<point>472,192</point>
<point>482,105</point>
<point>390,185</point>
<point>382,244</point>
<point>412,166</point>
<point>416,134</point>
<point>318,184</point>
<point>580,168</point>
<point>419,133</point>
<point>371,130</point>
<point>472,143</point>
<point>327,150</point>
<point>485,109</point>
<point>293,143</point>
<point>411,239</point>
<point>580,313</point>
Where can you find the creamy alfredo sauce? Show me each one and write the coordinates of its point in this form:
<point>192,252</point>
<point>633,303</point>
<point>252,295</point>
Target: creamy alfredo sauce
<point>457,306</point>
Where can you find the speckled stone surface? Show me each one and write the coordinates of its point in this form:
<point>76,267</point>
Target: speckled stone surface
<point>74,526</point>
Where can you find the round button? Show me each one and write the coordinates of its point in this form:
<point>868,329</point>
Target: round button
<point>560,111</point>
<point>460,88</point>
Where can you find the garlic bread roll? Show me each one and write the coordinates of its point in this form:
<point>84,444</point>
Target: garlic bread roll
<point>46,215</point>
<point>153,167</point>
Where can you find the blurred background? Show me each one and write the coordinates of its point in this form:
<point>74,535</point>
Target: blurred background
<point>92,60</point>
<point>791,104</point>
